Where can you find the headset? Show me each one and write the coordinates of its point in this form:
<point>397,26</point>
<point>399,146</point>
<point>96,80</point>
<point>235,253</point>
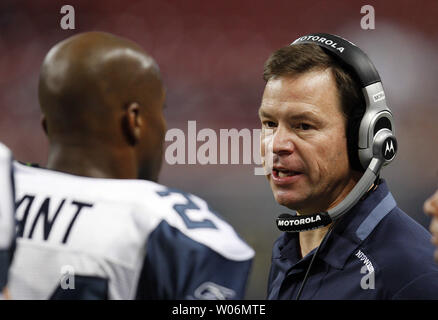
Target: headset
<point>376,145</point>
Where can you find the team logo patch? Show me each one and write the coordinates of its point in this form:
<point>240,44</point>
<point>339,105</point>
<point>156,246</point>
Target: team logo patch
<point>213,291</point>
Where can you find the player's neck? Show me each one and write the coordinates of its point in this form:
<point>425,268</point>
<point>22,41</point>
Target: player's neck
<point>98,162</point>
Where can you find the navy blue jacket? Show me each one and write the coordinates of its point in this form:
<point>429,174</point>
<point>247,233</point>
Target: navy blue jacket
<point>375,252</point>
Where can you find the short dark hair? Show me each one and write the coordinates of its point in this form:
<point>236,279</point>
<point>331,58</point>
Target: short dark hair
<point>301,58</point>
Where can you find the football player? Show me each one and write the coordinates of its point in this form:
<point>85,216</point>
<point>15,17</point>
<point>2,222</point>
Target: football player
<point>94,223</point>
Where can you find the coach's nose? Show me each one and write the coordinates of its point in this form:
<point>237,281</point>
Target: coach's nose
<point>283,144</point>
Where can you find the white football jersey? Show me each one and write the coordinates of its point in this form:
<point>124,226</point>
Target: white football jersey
<point>7,224</point>
<point>90,238</point>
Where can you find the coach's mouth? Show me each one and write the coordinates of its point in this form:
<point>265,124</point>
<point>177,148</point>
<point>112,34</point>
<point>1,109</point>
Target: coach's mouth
<point>284,173</point>
<point>281,176</point>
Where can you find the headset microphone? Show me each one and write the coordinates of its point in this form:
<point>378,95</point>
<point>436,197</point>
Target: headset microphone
<point>377,145</point>
<point>289,223</point>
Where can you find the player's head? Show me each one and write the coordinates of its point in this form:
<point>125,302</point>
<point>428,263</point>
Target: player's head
<point>101,93</point>
<point>313,106</point>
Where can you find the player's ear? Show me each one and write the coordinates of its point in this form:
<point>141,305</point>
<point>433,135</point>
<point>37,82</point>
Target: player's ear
<point>44,124</point>
<point>133,123</point>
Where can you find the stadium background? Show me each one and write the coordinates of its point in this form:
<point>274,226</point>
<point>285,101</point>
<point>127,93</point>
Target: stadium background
<point>211,55</point>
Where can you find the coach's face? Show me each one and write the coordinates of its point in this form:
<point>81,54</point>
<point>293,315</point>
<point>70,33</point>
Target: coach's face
<point>302,119</point>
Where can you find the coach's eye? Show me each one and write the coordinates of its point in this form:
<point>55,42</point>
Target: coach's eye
<point>269,124</point>
<point>304,126</point>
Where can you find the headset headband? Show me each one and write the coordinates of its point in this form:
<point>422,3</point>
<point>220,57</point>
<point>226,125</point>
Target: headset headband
<point>348,52</point>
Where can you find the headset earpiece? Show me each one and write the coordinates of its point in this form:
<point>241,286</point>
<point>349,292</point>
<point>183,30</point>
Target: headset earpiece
<point>377,117</point>
<point>385,146</point>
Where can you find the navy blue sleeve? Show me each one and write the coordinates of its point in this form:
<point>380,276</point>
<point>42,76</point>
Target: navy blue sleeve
<point>6,256</point>
<point>177,267</point>
<point>425,287</point>
<point>4,266</point>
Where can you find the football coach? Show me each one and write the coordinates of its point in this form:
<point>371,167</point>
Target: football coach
<point>328,131</point>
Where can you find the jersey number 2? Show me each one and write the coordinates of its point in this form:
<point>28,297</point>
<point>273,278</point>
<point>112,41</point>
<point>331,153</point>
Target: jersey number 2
<point>181,209</point>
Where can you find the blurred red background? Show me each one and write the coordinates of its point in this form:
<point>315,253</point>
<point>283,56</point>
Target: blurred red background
<point>211,55</point>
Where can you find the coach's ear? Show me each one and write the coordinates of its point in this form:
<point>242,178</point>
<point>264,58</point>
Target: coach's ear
<point>133,123</point>
<point>44,124</point>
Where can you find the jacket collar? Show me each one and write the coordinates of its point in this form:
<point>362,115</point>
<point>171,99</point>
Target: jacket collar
<point>350,230</point>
